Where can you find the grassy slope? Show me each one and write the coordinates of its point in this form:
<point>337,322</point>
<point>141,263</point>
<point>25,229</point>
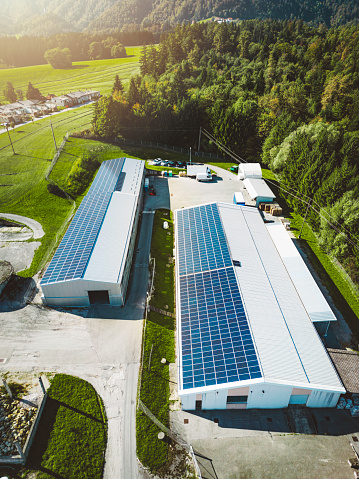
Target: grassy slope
<point>96,74</point>
<point>23,189</point>
<point>159,337</point>
<point>72,434</point>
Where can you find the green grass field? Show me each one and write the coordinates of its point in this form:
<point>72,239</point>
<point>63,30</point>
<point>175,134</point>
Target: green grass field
<point>72,435</point>
<point>96,74</point>
<point>158,343</point>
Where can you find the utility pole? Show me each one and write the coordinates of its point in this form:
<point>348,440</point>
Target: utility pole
<point>199,138</point>
<point>12,146</point>
<point>305,217</point>
<point>190,154</point>
<point>53,135</point>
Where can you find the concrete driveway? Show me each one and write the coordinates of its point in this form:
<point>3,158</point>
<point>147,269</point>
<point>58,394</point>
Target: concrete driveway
<point>178,192</point>
<point>101,344</point>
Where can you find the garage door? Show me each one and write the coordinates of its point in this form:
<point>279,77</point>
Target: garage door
<point>298,399</point>
<point>99,297</point>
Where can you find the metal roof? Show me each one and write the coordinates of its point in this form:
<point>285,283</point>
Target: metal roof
<point>109,255</point>
<point>287,345</point>
<point>258,187</point>
<point>96,242</point>
<point>313,300</point>
<point>250,170</point>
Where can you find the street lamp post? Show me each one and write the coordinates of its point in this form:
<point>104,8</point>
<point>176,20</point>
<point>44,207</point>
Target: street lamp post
<point>190,154</point>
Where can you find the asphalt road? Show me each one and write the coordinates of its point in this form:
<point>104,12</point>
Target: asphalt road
<point>101,344</point>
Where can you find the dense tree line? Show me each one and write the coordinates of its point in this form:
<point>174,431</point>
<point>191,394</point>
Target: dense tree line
<point>282,93</point>
<point>165,13</point>
<point>30,50</point>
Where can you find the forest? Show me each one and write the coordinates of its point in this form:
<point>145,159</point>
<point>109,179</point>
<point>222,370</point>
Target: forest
<point>162,14</point>
<point>279,92</point>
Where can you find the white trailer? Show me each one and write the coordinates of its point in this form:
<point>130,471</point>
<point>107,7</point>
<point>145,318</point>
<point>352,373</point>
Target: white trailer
<point>194,170</point>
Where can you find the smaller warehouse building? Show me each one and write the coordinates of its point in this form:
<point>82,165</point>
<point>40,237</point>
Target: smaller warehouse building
<point>93,261</point>
<point>249,170</point>
<point>258,190</point>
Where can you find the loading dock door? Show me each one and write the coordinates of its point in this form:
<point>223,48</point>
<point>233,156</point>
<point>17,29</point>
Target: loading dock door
<point>298,399</point>
<point>99,297</point>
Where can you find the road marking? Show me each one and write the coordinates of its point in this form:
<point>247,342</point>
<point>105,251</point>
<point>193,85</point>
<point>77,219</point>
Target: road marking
<point>149,212</point>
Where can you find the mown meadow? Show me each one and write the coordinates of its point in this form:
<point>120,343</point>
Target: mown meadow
<point>96,74</point>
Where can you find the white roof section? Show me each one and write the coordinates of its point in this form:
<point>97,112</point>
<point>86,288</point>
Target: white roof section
<point>258,188</point>
<point>250,170</point>
<point>108,258</point>
<point>289,348</point>
<point>313,300</point>
<point>133,172</point>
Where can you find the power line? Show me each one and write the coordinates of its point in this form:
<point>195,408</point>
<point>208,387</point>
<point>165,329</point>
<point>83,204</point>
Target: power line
<point>303,198</point>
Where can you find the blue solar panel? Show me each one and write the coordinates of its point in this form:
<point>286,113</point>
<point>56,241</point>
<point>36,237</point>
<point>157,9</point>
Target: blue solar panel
<point>217,345</point>
<point>107,176</point>
<point>201,241</point>
<point>73,253</point>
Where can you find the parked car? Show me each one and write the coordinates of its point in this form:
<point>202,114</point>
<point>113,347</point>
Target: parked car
<point>157,162</point>
<point>164,162</point>
<point>181,164</point>
<point>172,164</point>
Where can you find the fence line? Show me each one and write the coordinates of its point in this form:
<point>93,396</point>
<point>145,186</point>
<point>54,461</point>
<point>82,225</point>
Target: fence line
<point>60,232</point>
<point>184,151</point>
<point>172,435</point>
<point>161,311</point>
<point>56,156</point>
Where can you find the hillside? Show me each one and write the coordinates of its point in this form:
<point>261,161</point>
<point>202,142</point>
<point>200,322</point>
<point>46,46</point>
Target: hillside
<point>45,17</point>
<point>151,12</point>
<point>20,16</point>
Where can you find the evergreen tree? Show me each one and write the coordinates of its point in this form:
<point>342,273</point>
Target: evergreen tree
<point>33,93</point>
<point>117,86</point>
<point>9,93</point>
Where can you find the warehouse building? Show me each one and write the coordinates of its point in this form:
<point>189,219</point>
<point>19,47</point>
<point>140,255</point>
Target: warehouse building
<point>93,261</point>
<point>258,190</point>
<point>249,170</point>
<point>245,338</point>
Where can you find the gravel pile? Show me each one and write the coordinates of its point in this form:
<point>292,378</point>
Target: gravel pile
<point>15,424</point>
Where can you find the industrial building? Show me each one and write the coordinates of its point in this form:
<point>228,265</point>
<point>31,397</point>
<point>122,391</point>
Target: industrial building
<point>249,170</point>
<point>258,190</point>
<point>246,337</point>
<point>93,261</point>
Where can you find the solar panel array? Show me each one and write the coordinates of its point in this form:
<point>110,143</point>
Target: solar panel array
<point>107,176</point>
<point>73,253</point>
<point>216,342</point>
<point>201,240</point>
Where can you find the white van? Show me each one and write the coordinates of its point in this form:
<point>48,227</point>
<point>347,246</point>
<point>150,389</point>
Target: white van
<point>204,177</point>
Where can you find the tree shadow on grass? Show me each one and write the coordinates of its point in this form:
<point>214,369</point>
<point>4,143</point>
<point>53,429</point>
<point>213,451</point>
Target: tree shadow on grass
<point>44,431</point>
<point>42,437</point>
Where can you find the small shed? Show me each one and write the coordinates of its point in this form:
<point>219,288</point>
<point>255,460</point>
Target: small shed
<point>258,190</point>
<point>238,198</point>
<point>249,170</point>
